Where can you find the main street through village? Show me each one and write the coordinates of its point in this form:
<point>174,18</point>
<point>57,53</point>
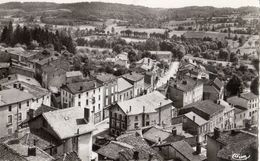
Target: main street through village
<point>170,73</point>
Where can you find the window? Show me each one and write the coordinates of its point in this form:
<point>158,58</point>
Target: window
<point>112,98</point>
<point>99,107</point>
<point>79,95</point>
<point>120,98</point>
<point>10,131</point>
<point>19,116</point>
<point>28,103</point>
<point>10,119</point>
<point>20,106</point>
<point>10,108</point>
<point>249,113</point>
<point>147,123</point>
<point>99,97</point>
<point>106,101</point>
<point>136,118</point>
<point>112,90</point>
<point>120,116</point>
<point>98,89</point>
<point>87,102</point>
<point>106,92</point>
<point>93,91</point>
<point>115,115</point>
<point>37,100</point>
<point>54,151</point>
<point>147,116</point>
<point>93,108</point>
<point>87,94</point>
<point>136,125</point>
<point>78,103</point>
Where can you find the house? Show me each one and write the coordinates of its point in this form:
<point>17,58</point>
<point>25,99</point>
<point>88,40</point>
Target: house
<point>192,69</point>
<point>165,56</point>
<point>155,135</point>
<point>147,64</point>
<point>151,109</point>
<point>213,90</point>
<point>125,90</point>
<point>185,91</point>
<point>246,108</point>
<point>137,80</point>
<point>74,76</point>
<point>51,70</point>
<point>30,85</point>
<point>122,60</point>
<point>85,94</point>
<point>4,69</point>
<point>130,146</point>
<point>14,151</point>
<point>66,130</point>
<point>208,110</point>
<point>179,150</point>
<point>14,105</point>
<point>229,145</point>
<point>110,92</point>
<point>195,125</point>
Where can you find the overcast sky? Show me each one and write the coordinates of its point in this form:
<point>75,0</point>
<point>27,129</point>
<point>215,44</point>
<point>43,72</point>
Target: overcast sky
<point>164,3</point>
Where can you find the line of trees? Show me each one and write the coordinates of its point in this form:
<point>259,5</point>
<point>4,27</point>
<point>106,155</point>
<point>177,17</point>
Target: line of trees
<point>34,37</point>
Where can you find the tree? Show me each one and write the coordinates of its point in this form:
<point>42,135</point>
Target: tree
<point>234,86</point>
<point>255,63</point>
<point>254,87</point>
<point>152,44</point>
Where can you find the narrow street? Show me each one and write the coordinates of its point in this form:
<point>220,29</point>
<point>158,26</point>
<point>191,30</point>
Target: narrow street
<point>170,73</point>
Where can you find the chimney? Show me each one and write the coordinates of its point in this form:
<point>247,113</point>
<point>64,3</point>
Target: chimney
<point>136,155</point>
<point>216,133</point>
<point>34,142</point>
<point>31,151</point>
<point>30,113</point>
<point>86,114</point>
<point>193,118</point>
<point>80,88</point>
<point>198,148</point>
<point>174,131</point>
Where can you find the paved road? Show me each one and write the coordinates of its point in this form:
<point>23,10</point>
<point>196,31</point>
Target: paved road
<point>170,73</point>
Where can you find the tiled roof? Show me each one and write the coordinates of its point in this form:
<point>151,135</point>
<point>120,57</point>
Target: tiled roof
<point>249,96</point>
<point>19,78</point>
<point>42,109</point>
<point>218,83</point>
<point>64,122</point>
<point>80,87</point>
<point>30,139</point>
<point>185,84</point>
<point>198,120</point>
<point>153,134</point>
<point>133,76</point>
<point>123,84</point>
<point>112,149</point>
<point>74,74</point>
<point>206,106</point>
<point>70,156</point>
<point>151,102</point>
<point>36,91</point>
<point>234,143</point>
<point>209,89</point>
<point>186,151</point>
<point>139,145</point>
<point>10,96</point>
<point>23,151</point>
<point>236,100</point>
<point>105,77</point>
<point>8,154</point>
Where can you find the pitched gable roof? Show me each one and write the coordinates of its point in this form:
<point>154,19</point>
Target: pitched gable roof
<point>186,151</point>
<point>64,122</point>
<point>151,102</point>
